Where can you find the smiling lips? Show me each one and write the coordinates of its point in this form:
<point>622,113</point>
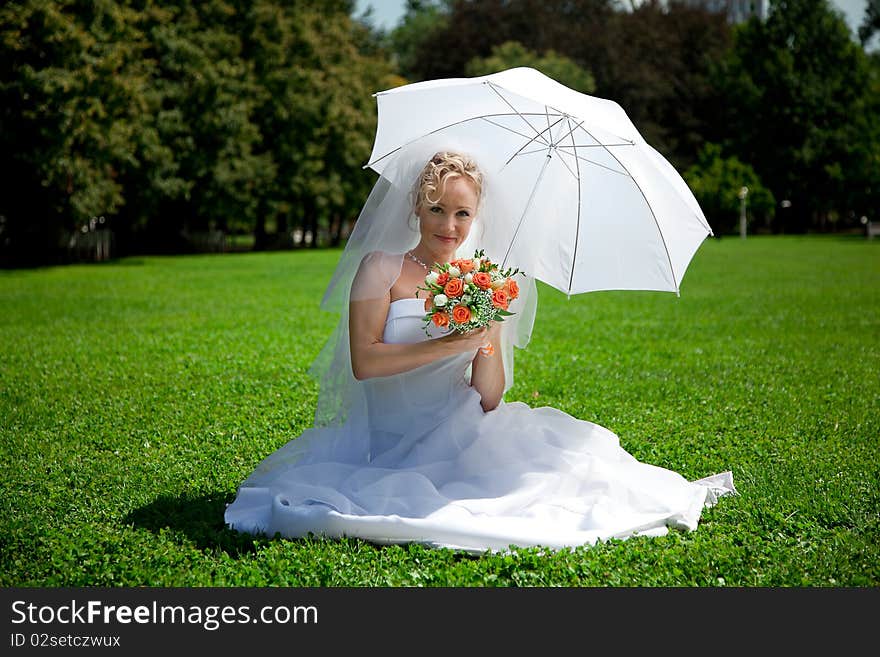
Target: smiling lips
<point>445,239</point>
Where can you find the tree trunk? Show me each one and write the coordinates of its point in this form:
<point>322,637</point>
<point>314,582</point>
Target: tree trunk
<point>260,237</point>
<point>282,234</point>
<point>336,230</point>
<point>310,221</point>
<point>313,226</point>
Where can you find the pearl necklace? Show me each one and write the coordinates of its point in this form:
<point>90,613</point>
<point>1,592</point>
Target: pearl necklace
<point>415,259</point>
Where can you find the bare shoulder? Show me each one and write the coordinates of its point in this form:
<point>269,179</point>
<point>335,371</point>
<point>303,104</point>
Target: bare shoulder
<point>381,260</point>
<point>376,274</point>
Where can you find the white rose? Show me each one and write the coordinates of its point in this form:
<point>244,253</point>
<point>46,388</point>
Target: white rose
<point>432,278</point>
<point>497,284</point>
<point>468,278</point>
<point>454,272</point>
<point>440,300</point>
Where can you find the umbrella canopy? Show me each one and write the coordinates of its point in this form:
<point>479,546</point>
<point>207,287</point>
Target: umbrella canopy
<point>588,204</point>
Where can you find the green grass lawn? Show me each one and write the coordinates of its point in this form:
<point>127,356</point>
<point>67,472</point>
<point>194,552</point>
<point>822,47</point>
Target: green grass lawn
<point>137,395</point>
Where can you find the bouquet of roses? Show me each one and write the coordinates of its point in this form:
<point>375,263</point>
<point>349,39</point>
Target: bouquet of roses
<point>466,294</point>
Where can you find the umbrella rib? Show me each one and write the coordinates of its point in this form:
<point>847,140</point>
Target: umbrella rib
<point>570,131</point>
<point>504,127</point>
<point>531,141</point>
<point>604,166</point>
<point>555,142</point>
<point>526,209</point>
<point>455,123</point>
<point>538,150</point>
<point>648,203</point>
<point>507,102</point>
<point>562,159</point>
<point>569,134</point>
<point>627,143</point>
<point>703,223</point>
<point>577,231</point>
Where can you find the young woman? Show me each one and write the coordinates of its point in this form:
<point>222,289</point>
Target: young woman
<point>412,439</point>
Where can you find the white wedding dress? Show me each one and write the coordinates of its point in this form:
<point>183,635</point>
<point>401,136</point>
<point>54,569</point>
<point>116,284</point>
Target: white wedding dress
<point>428,465</point>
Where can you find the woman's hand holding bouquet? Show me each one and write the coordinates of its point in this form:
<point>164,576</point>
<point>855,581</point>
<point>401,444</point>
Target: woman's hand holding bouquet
<point>468,294</point>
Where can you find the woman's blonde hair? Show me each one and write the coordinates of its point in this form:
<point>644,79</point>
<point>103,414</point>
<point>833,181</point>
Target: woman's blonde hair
<point>431,183</point>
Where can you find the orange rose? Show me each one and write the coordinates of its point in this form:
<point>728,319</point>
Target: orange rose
<point>499,299</point>
<point>463,265</point>
<point>482,280</point>
<point>429,303</point>
<point>461,314</point>
<point>441,280</point>
<point>512,288</point>
<point>454,287</point>
<point>440,319</point>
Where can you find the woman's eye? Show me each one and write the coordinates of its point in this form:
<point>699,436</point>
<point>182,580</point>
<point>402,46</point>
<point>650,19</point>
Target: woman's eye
<point>436,209</point>
<point>464,213</point>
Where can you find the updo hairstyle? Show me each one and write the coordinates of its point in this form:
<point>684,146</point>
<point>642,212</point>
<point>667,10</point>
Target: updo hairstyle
<point>431,183</point>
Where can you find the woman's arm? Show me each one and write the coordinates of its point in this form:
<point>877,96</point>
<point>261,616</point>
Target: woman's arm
<point>371,357</point>
<point>487,372</point>
<point>368,311</point>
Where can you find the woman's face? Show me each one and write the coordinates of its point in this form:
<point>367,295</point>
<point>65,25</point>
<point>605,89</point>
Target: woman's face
<point>445,225</point>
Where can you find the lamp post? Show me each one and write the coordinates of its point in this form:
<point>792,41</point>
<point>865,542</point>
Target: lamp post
<point>743,192</point>
<point>785,219</point>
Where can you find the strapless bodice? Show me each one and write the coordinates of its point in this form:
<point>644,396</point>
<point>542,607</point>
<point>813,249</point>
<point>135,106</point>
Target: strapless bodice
<point>426,391</point>
<point>405,324</point>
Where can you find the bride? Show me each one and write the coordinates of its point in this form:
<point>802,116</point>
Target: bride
<point>413,441</point>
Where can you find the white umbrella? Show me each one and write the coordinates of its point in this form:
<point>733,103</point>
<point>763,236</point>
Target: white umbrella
<point>590,205</point>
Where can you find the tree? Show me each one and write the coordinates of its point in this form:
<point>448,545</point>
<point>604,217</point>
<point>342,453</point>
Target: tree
<point>655,61</point>
<point>421,20</point>
<point>207,121</point>
<point>73,84</point>
<point>578,29</point>
<point>716,182</point>
<point>305,112</point>
<point>512,54</point>
<point>871,22</point>
<point>794,91</point>
<point>176,117</point>
<point>659,70</point>
<point>317,69</point>
<point>859,167</point>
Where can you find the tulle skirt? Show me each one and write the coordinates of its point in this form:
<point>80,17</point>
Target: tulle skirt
<point>471,480</point>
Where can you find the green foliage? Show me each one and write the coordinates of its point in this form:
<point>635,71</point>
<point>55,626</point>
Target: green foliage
<point>256,117</point>
<point>716,182</point>
<point>441,38</point>
<point>800,107</point>
<point>316,113</point>
<point>180,116</point>
<point>794,97</point>
<point>74,83</point>
<point>658,69</point>
<point>209,99</point>
<point>418,27</point>
<point>668,97</point>
<point>135,397</point>
<point>870,22</point>
<point>857,175</point>
<point>511,54</point>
